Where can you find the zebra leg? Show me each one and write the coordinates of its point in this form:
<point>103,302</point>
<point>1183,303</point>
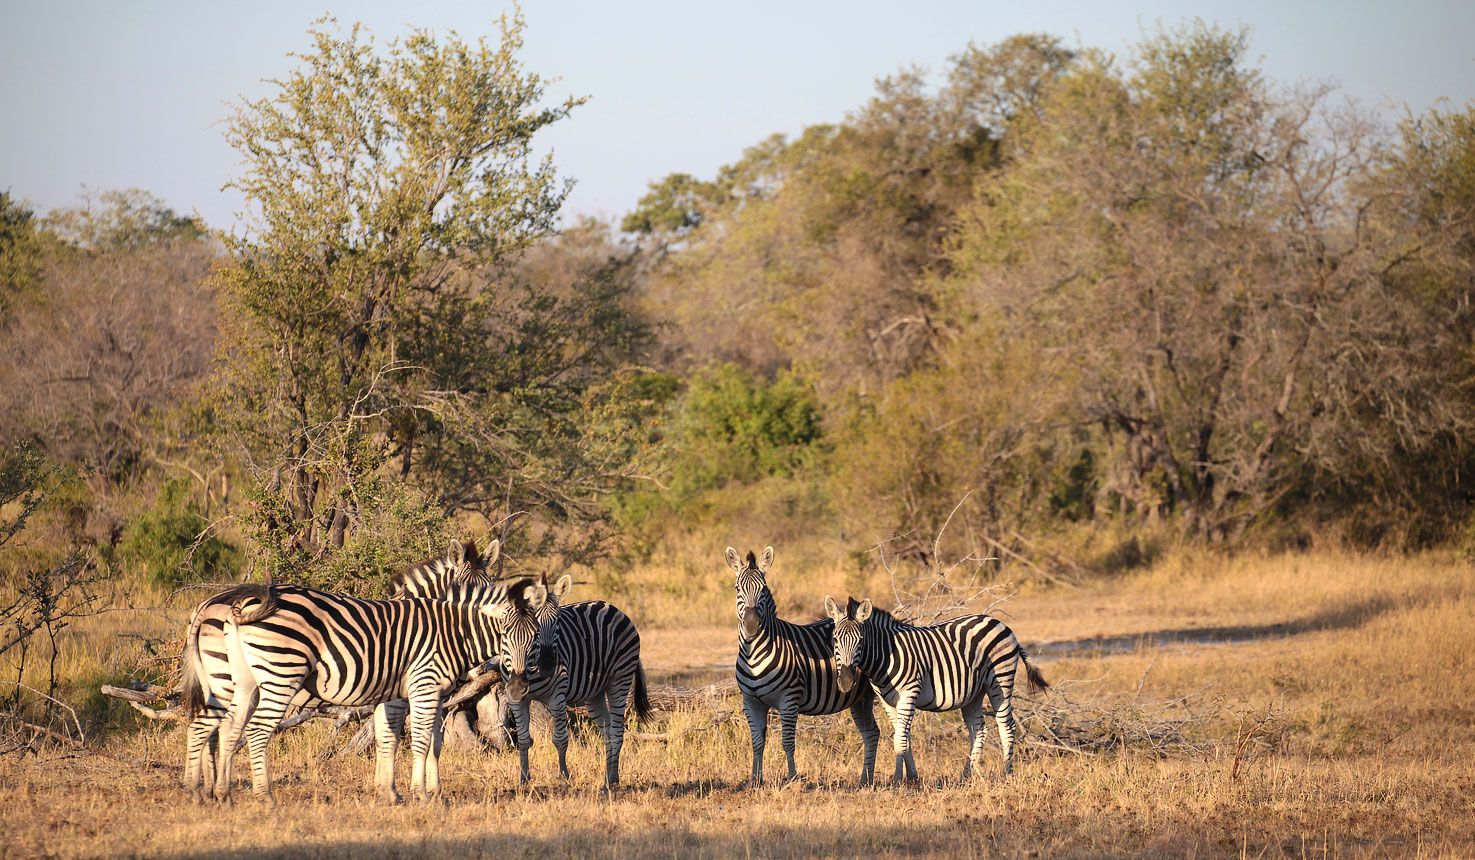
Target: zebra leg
<point>389,721</point>
<point>522,713</point>
<point>423,710</point>
<point>243,704</point>
<point>901,738</point>
<point>558,708</point>
<point>614,736</point>
<point>973,717</point>
<point>1003,702</point>
<point>432,761</point>
<point>200,740</point>
<point>263,723</point>
<point>864,714</point>
<point>757,714</point>
<point>788,716</point>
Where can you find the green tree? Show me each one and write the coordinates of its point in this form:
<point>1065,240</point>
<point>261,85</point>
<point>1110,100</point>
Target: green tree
<point>125,219</point>
<point>1194,245</point>
<point>375,318</point>
<point>22,253</point>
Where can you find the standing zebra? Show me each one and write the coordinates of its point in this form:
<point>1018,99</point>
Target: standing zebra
<point>462,567</point>
<point>954,664</point>
<point>790,667</point>
<point>207,687</point>
<point>594,663</point>
<point>289,644</point>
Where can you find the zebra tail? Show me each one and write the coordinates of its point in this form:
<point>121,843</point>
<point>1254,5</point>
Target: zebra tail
<point>1037,682</point>
<point>192,690</point>
<point>643,709</point>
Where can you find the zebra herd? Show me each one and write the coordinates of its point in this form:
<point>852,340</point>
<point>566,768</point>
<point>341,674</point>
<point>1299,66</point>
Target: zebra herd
<point>255,651</point>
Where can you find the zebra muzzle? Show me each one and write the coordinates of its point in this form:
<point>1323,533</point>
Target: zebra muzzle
<point>750,623</point>
<point>846,676</point>
<point>517,686</point>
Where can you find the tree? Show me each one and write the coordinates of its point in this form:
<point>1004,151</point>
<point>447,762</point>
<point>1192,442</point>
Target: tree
<point>1196,246</point>
<point>125,219</point>
<point>371,311</point>
<point>22,253</point>
<point>816,251</point>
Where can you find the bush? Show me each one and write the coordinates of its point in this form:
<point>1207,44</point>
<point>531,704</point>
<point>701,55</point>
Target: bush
<point>732,427</point>
<point>166,542</point>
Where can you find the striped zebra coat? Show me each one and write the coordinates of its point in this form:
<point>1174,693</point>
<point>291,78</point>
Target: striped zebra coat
<point>288,644</point>
<point>208,689</point>
<point>789,668</point>
<point>949,666</point>
<point>594,663</point>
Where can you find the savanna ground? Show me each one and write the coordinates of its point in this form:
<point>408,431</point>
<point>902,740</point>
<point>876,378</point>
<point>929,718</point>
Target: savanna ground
<point>1280,706</point>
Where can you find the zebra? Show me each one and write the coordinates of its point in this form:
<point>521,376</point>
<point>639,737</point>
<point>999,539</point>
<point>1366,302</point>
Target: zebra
<point>463,565</point>
<point>789,667</point>
<point>289,645</point>
<point>207,681</point>
<point>594,662</point>
<point>953,664</point>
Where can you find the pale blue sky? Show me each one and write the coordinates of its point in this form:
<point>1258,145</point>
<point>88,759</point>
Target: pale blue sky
<point>117,95</point>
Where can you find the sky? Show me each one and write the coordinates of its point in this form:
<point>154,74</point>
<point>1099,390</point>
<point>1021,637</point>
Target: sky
<point>107,95</point>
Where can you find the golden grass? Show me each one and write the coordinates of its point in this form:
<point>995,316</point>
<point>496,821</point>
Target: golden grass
<point>1361,667</point>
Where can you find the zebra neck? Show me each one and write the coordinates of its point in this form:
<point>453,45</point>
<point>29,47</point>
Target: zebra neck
<point>879,642</point>
<point>473,634</point>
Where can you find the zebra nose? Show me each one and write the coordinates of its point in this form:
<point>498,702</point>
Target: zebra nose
<point>750,622</point>
<point>517,686</point>
<point>845,677</point>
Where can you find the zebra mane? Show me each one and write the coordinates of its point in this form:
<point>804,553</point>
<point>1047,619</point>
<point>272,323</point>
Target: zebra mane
<point>881,617</point>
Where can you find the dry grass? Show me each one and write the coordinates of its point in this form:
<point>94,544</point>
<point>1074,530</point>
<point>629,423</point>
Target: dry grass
<point>1355,675</point>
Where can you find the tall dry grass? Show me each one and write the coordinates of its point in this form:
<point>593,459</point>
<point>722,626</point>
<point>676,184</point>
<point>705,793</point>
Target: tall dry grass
<point>1322,705</point>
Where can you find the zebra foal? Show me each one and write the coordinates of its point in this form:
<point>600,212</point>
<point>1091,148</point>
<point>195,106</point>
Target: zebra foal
<point>593,661</point>
<point>951,665</point>
<point>790,668</point>
<point>287,645</point>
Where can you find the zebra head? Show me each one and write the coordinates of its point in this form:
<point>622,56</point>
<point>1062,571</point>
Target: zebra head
<point>848,638</point>
<point>468,566</point>
<point>754,600</point>
<point>526,621</point>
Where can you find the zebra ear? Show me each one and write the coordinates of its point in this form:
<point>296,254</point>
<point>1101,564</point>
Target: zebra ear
<point>863,611</point>
<point>536,595</point>
<point>765,561</point>
<point>835,613</point>
<point>497,610</point>
<point>562,587</point>
<point>457,553</point>
<point>489,555</point>
<point>734,560</point>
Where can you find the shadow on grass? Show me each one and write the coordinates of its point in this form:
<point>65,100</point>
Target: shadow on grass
<point>883,834</point>
<point>1347,617</point>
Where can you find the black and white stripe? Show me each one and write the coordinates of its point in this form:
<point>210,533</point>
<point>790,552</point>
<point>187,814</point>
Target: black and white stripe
<point>208,688</point>
<point>953,665</point>
<point>463,565</point>
<point>594,663</point>
<point>790,668</point>
<point>288,645</point>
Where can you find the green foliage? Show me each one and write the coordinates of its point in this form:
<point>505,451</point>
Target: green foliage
<point>673,207</point>
<point>171,541</point>
<point>400,292</point>
<point>395,525</point>
<point>120,220</point>
<point>733,427</point>
<point>22,253</point>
